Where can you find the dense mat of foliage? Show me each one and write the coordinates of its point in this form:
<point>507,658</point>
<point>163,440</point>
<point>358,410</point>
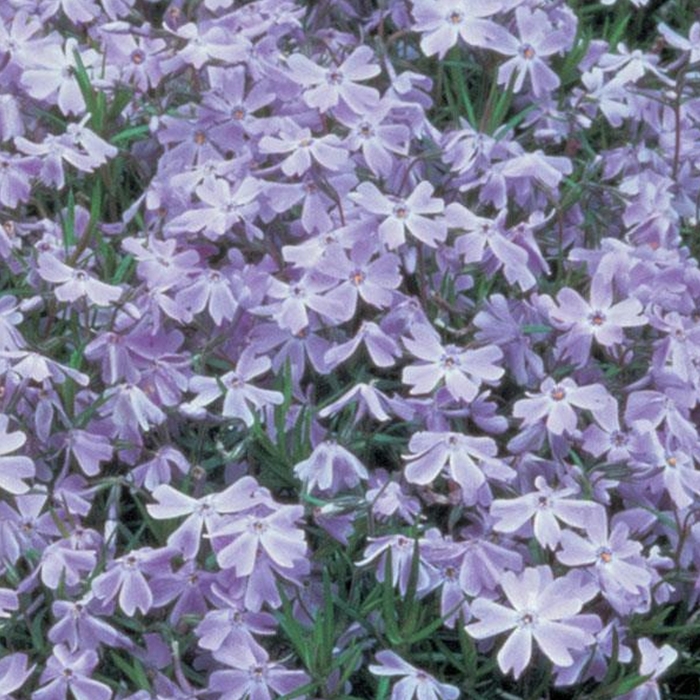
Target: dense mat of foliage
<point>349,349</point>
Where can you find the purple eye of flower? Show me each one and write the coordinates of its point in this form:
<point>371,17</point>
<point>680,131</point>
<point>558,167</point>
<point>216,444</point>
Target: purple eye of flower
<point>597,318</point>
<point>618,438</point>
<point>527,51</point>
<point>448,361</point>
<point>401,211</point>
<point>239,113</point>
<point>366,130</point>
<point>80,276</point>
<point>298,292</point>
<point>305,143</point>
<point>334,77</point>
<point>671,461</point>
<point>526,619</point>
<point>257,673</point>
<point>258,527</point>
<point>130,561</point>
<point>357,277</point>
<point>451,573</point>
<point>68,672</point>
<point>455,17</point>
<point>138,57</point>
<point>557,393</point>
<point>605,555</point>
<point>200,138</point>
<point>403,542</point>
<point>311,188</point>
<point>543,502</point>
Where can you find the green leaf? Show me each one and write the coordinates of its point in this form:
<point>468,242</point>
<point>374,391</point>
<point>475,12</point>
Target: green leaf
<point>132,669</point>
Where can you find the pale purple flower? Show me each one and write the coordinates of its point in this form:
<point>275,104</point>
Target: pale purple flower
<point>231,626</point>
<point>222,206</point>
<point>484,234</point>
<point>462,371</point>
<point>614,558</point>
<point>50,74</point>
<point>206,44</point>
<point>414,683</point>
<point>691,45</point>
<point>13,674</point>
<point>330,468</point>
<point>15,178</point>
<point>312,292</point>
<point>125,579</point>
<point>467,459</point>
<point>64,562</point>
<point>304,149</point>
<point>655,662</point>
<point>13,470</point>
<point>81,625</point>
<point>277,535</point>
<point>381,347</point>
<point>205,512</point>
<point>76,284</point>
<point>545,507</point>
<point>538,40</point>
<point>402,550</point>
<point>8,602</point>
<point>240,395</point>
<point>444,22</point>
<point>250,674</point>
<point>597,319</point>
<point>71,671</point>
<point>541,608</point>
<point>556,404</point>
<point>375,136</point>
<point>325,86</point>
<point>402,214</point>
<point>374,280</point>
<point>88,449</point>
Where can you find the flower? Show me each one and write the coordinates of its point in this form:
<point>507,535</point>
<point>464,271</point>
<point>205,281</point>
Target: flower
<point>401,214</point>
<point>76,284</point>
<point>66,670</point>
<point>462,371</point>
<point>13,469</point>
<point>252,675</point>
<point>444,22</point>
<point>538,38</point>
<point>326,86</point>
<point>415,682</point>
<point>545,507</point>
<point>542,608</point>
<point>556,401</point>
<point>330,467</point>
<point>239,394</point>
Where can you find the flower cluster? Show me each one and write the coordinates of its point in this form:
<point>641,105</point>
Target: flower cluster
<point>347,352</point>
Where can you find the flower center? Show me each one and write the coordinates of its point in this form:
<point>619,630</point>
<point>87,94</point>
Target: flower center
<point>527,51</point>
<point>605,555</point>
<point>200,138</point>
<point>557,393</point>
<point>597,318</point>
<point>138,57</point>
<point>358,277</point>
<point>239,113</point>
<point>455,17</point>
<point>401,211</point>
<point>527,619</point>
<point>335,77</point>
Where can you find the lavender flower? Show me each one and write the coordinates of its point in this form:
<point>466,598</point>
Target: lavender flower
<point>325,87</point>
<point>414,682</point>
<point>544,609</point>
<point>66,670</point>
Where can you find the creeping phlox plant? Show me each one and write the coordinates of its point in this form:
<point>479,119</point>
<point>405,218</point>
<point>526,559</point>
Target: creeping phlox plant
<point>349,349</point>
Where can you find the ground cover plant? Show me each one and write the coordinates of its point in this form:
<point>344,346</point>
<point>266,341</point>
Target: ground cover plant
<point>349,349</point>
